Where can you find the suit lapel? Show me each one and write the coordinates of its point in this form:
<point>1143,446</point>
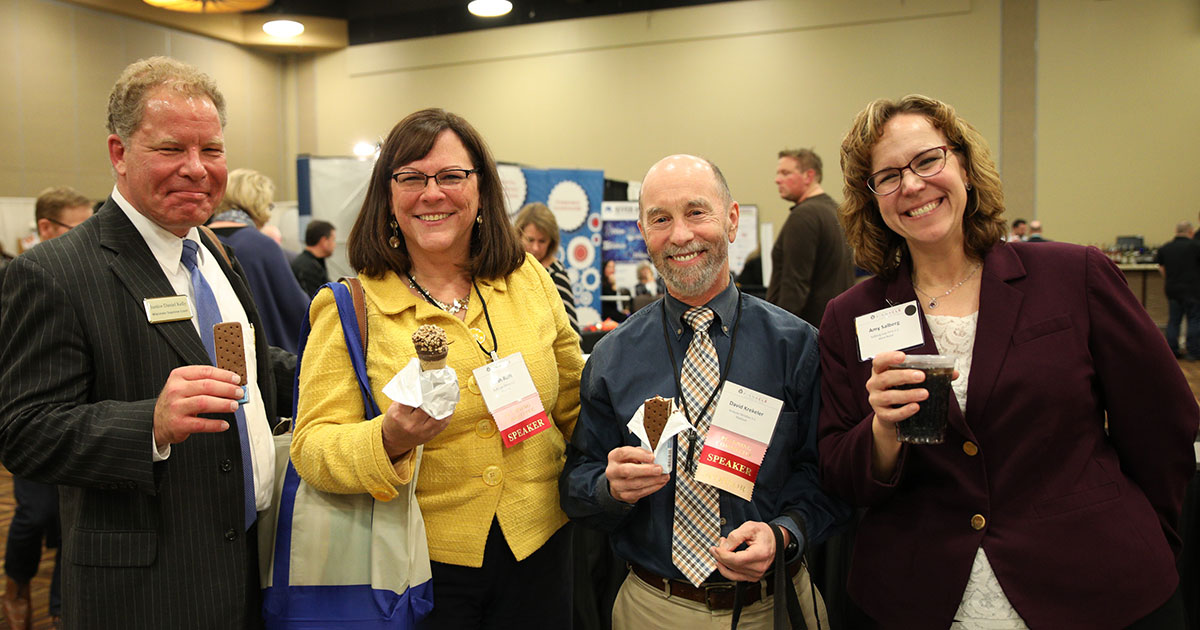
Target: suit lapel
<point>999,307</point>
<point>136,268</point>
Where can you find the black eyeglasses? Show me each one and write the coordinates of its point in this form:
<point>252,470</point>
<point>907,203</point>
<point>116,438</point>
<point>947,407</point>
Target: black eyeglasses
<point>928,163</point>
<point>61,224</point>
<point>449,179</point>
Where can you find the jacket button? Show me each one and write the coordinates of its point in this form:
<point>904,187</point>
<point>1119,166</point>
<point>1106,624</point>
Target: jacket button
<point>485,428</point>
<point>472,386</point>
<point>977,522</point>
<point>231,535</point>
<point>969,448</point>
<point>492,475</point>
<point>226,466</point>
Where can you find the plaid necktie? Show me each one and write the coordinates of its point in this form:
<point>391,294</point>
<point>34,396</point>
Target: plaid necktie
<point>697,507</point>
<point>208,314</point>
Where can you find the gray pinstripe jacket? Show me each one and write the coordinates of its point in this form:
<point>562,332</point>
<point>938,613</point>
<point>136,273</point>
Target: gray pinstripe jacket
<point>146,545</point>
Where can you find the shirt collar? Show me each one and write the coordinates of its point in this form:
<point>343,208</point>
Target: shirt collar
<point>166,247</point>
<point>724,305</point>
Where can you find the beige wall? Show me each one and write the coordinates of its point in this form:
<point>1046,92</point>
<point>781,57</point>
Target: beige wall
<point>1096,129</point>
<point>735,82</point>
<point>59,63</point>
<point>1118,126</point>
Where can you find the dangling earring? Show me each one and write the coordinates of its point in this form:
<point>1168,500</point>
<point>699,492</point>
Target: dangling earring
<point>478,219</point>
<point>394,241</point>
<point>968,186</point>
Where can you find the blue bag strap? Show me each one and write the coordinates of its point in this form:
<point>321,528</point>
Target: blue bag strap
<point>348,313</point>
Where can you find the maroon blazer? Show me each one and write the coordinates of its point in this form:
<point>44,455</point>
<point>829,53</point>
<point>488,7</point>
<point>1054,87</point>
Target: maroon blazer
<point>1079,524</point>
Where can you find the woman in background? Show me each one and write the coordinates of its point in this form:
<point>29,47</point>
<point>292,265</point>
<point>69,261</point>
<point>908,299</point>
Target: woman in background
<point>434,245</point>
<point>538,231</point>
<point>1054,501</point>
<point>242,213</point>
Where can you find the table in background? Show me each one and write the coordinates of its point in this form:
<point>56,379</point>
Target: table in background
<point>1147,284</point>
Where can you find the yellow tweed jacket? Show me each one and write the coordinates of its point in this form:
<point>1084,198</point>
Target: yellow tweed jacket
<point>467,476</point>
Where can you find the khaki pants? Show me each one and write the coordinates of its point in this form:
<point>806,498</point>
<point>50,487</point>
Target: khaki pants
<point>640,606</point>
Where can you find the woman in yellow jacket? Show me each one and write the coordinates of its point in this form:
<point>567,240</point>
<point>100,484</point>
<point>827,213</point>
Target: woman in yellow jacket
<point>433,245</point>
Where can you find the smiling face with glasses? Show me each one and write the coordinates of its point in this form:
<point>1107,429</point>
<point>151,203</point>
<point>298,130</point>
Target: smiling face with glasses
<point>919,183</point>
<point>436,217</point>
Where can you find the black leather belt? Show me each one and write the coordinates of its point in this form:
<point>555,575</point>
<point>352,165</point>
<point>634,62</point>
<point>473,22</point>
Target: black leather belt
<point>715,595</point>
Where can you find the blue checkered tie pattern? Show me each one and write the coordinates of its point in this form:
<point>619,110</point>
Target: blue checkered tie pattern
<point>208,315</point>
<point>697,507</point>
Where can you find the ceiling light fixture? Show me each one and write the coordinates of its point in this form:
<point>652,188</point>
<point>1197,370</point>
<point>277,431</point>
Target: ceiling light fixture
<point>283,29</point>
<point>489,8</point>
<point>209,6</point>
<point>364,149</point>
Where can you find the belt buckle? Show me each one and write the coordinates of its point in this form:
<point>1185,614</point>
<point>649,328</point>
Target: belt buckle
<point>709,589</point>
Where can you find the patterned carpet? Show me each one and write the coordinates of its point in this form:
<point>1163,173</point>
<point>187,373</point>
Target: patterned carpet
<point>41,583</point>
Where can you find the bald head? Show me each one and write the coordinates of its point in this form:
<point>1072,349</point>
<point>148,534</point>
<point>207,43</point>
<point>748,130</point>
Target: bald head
<point>679,167</point>
<point>688,219</point>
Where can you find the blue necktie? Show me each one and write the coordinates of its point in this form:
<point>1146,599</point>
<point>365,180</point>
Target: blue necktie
<point>209,314</point>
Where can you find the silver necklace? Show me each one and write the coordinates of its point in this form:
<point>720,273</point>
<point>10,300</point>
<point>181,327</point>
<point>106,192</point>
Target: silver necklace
<point>459,304</point>
<point>933,301</point>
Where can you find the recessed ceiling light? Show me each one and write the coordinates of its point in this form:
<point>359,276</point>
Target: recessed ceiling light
<point>283,29</point>
<point>489,8</point>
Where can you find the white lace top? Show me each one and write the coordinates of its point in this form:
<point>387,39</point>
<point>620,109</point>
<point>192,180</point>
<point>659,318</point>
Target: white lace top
<point>984,605</point>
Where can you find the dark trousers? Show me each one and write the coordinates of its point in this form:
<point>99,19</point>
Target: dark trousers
<point>35,521</point>
<point>505,593</point>
<point>1177,310</point>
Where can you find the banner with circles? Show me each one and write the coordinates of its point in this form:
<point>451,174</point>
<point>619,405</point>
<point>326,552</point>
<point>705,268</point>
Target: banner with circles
<point>574,196</point>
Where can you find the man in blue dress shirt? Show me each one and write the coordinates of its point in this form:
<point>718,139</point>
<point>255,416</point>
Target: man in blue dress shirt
<point>688,218</point>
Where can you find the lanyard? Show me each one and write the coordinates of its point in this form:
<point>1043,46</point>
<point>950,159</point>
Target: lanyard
<point>737,320</point>
<point>495,341</point>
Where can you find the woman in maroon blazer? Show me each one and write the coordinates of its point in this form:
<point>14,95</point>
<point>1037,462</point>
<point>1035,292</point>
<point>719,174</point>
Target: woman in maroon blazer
<point>1034,513</point>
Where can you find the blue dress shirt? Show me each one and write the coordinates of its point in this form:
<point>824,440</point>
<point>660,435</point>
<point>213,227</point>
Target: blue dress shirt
<point>775,353</point>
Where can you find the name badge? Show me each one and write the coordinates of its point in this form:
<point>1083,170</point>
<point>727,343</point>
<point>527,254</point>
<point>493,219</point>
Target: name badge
<point>737,440</point>
<point>512,399</point>
<point>894,328</point>
<point>172,308</point>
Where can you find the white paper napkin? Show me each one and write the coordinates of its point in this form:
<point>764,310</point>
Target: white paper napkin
<point>676,423</point>
<point>435,391</point>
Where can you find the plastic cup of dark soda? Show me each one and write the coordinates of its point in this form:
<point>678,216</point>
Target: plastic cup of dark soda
<point>928,425</point>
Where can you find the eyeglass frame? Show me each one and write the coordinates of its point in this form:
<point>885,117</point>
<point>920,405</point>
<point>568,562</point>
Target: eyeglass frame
<point>465,171</point>
<point>946,149</point>
<point>61,224</point>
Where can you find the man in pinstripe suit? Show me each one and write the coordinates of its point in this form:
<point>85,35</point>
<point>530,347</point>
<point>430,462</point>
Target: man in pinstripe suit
<point>119,404</point>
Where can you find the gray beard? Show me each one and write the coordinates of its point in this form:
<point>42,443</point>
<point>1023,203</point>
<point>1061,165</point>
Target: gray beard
<point>692,281</point>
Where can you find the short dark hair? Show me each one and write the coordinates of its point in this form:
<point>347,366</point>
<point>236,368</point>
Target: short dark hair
<point>495,250</point>
<point>806,159</point>
<point>316,231</point>
<point>1018,223</point>
<point>52,201</point>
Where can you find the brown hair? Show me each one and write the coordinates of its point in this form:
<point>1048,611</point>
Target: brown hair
<point>539,215</point>
<point>52,201</point>
<point>127,101</point>
<point>806,159</point>
<point>876,247</point>
<point>495,250</point>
